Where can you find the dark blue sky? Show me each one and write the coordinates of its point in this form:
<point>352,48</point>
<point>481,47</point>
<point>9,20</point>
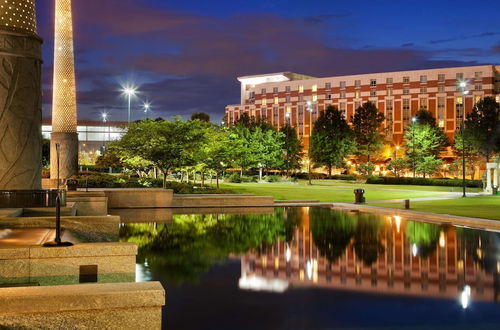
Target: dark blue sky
<point>185,55</point>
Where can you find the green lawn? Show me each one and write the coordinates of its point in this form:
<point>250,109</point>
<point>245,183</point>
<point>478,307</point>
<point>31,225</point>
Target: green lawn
<point>487,207</point>
<point>336,191</point>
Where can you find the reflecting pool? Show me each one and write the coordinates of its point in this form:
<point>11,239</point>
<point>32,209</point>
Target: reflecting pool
<point>319,268</point>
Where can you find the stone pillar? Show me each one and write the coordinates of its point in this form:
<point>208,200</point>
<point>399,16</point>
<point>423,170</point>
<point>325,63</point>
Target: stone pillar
<point>495,177</point>
<point>64,109</point>
<point>68,161</point>
<point>20,98</point>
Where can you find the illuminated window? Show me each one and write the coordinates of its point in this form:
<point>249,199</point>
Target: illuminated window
<point>373,82</point>
<point>357,94</point>
<point>423,104</point>
<point>301,89</point>
<point>441,77</point>
<point>314,88</point>
<point>460,100</point>
<point>389,92</point>
<point>276,100</point>
<point>406,80</point>
<point>423,79</point>
<point>264,101</point>
<point>477,99</point>
<point>315,98</point>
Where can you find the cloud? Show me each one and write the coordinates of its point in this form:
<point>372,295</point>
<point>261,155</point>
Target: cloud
<point>457,38</point>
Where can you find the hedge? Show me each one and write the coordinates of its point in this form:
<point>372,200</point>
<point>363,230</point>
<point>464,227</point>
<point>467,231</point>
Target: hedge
<point>423,181</point>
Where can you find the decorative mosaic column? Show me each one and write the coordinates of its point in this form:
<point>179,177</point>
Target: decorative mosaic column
<point>20,97</point>
<point>64,113</point>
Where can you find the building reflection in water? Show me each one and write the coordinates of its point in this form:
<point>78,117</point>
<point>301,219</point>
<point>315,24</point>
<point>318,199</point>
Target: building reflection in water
<point>361,252</point>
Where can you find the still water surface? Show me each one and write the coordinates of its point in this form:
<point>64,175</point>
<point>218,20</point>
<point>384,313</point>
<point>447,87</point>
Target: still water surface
<point>319,268</point>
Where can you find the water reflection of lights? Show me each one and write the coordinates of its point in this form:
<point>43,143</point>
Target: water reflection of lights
<point>465,297</point>
<point>414,249</point>
<point>142,273</point>
<point>257,283</point>
<point>312,270</point>
<point>398,222</point>
<point>442,239</point>
<point>288,253</point>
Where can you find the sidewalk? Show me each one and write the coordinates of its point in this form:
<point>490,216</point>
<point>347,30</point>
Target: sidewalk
<point>422,199</point>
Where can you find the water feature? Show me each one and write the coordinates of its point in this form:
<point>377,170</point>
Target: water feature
<point>318,268</point>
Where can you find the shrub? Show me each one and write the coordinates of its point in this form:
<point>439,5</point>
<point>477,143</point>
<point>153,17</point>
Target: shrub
<point>344,177</point>
<point>423,181</point>
<point>273,178</point>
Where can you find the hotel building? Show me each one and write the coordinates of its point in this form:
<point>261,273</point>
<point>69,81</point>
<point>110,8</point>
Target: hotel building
<point>298,99</point>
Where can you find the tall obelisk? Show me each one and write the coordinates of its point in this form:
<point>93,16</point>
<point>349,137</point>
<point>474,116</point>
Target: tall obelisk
<point>20,97</point>
<point>64,115</point>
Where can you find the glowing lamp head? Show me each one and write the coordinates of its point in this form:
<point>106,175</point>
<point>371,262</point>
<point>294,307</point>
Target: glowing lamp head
<point>463,84</point>
<point>414,119</point>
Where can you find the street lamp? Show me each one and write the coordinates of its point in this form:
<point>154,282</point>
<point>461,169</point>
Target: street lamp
<point>104,116</point>
<point>310,110</point>
<point>129,92</point>
<point>414,120</point>
<point>146,106</point>
<point>465,91</point>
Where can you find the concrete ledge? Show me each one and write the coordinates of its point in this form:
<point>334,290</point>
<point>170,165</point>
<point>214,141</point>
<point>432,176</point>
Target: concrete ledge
<point>478,223</point>
<point>90,205</point>
<point>68,210</point>
<point>137,198</point>
<point>221,201</point>
<point>63,265</point>
<point>6,213</point>
<point>89,228</point>
<point>89,306</point>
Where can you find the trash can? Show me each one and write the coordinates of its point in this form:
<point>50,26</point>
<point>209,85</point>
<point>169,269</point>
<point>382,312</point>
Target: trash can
<point>406,204</point>
<point>359,196</point>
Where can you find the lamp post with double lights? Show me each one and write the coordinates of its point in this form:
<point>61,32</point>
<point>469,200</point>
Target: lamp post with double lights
<point>464,90</point>
<point>129,92</point>
<point>146,106</point>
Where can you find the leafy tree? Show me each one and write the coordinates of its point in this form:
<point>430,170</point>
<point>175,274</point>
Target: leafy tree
<point>423,139</point>
<point>398,166</point>
<point>424,117</point>
<point>428,165</point>
<point>292,147</point>
<point>110,159</point>
<point>366,169</point>
<point>331,139</point>
<point>468,142</point>
<point>366,125</point>
<point>484,124</point>
<point>368,239</point>
<point>217,152</point>
<point>201,116</point>
<point>424,235</point>
<point>168,145</point>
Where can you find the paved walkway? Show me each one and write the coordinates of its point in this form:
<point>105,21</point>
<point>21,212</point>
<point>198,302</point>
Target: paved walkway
<point>422,199</point>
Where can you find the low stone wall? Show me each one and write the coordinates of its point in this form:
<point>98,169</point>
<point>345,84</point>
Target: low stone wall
<point>81,263</point>
<point>221,201</point>
<point>137,198</point>
<point>89,306</point>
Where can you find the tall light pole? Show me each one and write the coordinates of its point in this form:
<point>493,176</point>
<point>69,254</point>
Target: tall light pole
<point>146,106</point>
<point>465,91</point>
<point>129,92</point>
<point>104,116</point>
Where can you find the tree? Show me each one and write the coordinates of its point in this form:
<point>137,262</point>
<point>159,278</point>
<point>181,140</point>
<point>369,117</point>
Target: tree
<point>397,166</point>
<point>201,116</point>
<point>45,153</point>
<point>484,122</point>
<point>423,139</point>
<point>168,145</point>
<point>292,148</point>
<point>472,140</point>
<point>110,159</point>
<point>424,117</point>
<point>428,165</point>
<point>331,139</point>
<point>366,125</point>
<point>217,155</point>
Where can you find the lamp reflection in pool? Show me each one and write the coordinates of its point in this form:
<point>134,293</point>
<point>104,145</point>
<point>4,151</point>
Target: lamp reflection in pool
<point>288,253</point>
<point>398,222</point>
<point>414,249</point>
<point>465,297</point>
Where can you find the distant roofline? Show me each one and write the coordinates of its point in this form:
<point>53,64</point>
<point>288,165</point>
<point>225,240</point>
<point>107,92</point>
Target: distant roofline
<point>495,66</point>
<point>91,123</point>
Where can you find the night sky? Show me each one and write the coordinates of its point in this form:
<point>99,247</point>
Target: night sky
<point>185,55</point>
